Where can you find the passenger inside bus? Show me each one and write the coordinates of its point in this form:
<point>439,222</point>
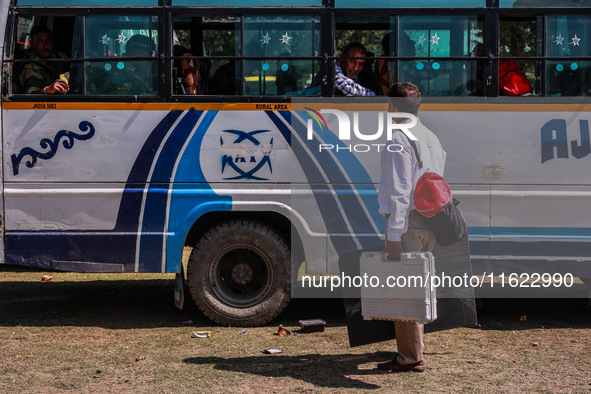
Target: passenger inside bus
<point>347,71</point>
<point>185,70</point>
<point>192,75</point>
<point>39,77</point>
<point>383,77</point>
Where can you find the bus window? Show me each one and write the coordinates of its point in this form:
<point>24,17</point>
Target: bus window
<point>432,39</point>
<point>277,38</point>
<point>38,66</point>
<point>274,59</point>
<point>568,36</point>
<point>202,37</point>
<point>517,39</point>
<point>122,46</point>
<point>370,31</point>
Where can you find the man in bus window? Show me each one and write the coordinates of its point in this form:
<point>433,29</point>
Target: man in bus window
<point>406,229</point>
<point>347,71</point>
<point>39,77</point>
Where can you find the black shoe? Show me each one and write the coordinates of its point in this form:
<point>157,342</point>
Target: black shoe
<point>393,366</point>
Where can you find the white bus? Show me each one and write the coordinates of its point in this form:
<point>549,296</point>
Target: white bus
<point>136,162</point>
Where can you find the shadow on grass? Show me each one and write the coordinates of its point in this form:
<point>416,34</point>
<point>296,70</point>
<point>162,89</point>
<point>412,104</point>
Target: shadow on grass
<point>122,304</point>
<point>117,304</point>
<point>147,303</point>
<point>329,371</point>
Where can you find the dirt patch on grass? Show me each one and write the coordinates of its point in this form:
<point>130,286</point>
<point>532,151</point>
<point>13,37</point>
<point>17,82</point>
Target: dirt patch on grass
<point>119,332</point>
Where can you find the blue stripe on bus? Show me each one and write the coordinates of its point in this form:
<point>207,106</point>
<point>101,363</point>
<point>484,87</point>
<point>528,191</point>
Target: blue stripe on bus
<point>359,178</point>
<point>154,215</point>
<point>191,196</point>
<point>80,251</point>
<point>131,202</point>
<point>551,242</point>
<point>545,242</point>
<point>479,248</point>
<point>542,232</point>
<point>320,190</point>
<point>361,225</point>
<point>530,232</point>
<point>478,232</point>
<point>363,221</point>
<point>321,193</point>
<point>549,248</point>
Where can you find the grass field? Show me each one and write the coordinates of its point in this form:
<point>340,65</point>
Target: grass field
<point>121,333</point>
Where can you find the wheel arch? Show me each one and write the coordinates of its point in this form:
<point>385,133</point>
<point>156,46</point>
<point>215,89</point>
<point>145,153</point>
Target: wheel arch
<point>205,216</point>
<point>274,219</point>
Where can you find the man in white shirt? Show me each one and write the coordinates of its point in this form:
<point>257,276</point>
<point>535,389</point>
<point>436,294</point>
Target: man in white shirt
<point>406,230</point>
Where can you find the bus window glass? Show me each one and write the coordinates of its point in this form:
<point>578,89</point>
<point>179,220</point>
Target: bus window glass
<point>217,37</point>
<point>568,36</point>
<point>433,40</point>
<point>518,38</point>
<point>277,38</point>
<point>122,45</point>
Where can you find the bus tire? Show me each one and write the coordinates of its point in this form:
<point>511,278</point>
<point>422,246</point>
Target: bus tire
<point>239,273</point>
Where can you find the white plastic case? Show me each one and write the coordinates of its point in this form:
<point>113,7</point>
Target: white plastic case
<point>407,294</point>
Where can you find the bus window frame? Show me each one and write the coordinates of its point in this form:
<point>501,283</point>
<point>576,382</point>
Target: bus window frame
<point>328,57</point>
<point>397,13</point>
<point>82,12</point>
<point>543,58</point>
<point>241,13</point>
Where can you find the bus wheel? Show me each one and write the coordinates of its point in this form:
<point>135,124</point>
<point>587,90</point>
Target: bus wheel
<point>238,273</point>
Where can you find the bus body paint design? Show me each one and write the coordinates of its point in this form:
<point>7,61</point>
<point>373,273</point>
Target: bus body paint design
<point>125,198</point>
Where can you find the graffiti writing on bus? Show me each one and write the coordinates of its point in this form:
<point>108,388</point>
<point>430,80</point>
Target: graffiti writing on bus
<point>555,143</point>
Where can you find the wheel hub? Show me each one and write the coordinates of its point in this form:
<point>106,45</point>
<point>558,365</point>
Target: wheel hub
<point>242,273</point>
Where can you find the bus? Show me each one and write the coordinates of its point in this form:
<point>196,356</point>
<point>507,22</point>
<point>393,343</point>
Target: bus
<point>193,125</point>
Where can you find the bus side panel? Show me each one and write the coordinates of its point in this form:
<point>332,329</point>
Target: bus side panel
<point>85,189</point>
<point>535,163</point>
<point>342,182</point>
